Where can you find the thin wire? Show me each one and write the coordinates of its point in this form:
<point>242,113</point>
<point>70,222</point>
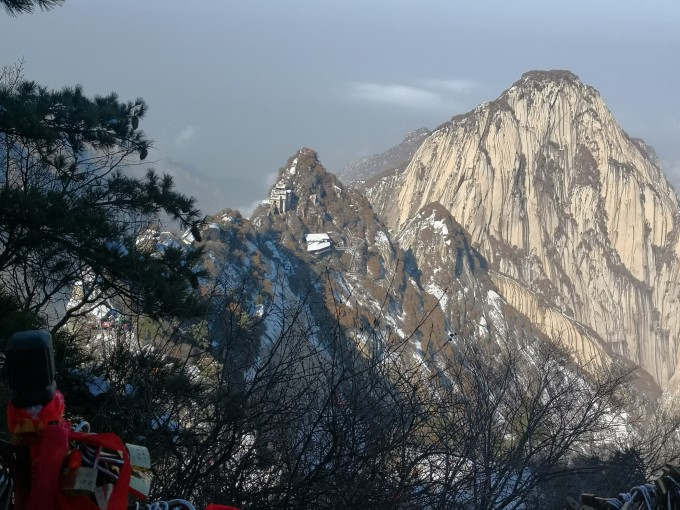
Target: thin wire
<point>159,505</point>
<point>6,491</point>
<point>183,502</point>
<point>83,426</point>
<point>173,504</point>
<point>674,481</point>
<point>616,503</point>
<point>640,491</point>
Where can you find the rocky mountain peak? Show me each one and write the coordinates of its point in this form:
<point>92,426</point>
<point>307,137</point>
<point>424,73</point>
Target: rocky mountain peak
<point>577,223</point>
<point>539,86</point>
<point>307,199</point>
<point>539,92</point>
<point>548,84</point>
<point>530,78</point>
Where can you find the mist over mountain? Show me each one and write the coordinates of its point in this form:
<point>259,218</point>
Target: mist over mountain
<point>212,193</point>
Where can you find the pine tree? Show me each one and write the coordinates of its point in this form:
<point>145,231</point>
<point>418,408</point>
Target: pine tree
<point>70,215</point>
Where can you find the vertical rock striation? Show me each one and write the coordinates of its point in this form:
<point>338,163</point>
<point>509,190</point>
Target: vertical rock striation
<point>576,220</point>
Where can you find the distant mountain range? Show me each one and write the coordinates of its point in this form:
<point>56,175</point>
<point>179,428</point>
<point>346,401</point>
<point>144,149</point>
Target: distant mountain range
<point>212,193</point>
<point>396,157</point>
<point>534,212</point>
<point>505,273</point>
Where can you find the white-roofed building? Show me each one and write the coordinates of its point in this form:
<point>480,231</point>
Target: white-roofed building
<point>318,243</point>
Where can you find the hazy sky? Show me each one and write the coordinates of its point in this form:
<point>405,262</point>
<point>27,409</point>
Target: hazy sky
<point>235,88</point>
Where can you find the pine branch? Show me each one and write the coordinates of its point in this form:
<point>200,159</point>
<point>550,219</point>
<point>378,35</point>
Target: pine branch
<point>16,7</point>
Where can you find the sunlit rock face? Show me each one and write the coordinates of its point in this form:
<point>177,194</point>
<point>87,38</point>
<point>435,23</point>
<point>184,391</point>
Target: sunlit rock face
<point>577,222</point>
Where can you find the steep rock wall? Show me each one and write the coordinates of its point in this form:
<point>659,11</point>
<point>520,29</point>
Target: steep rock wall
<point>558,198</point>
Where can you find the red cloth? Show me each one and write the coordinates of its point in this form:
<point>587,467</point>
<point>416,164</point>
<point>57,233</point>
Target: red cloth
<point>46,459</point>
<point>119,496</point>
<point>47,454</point>
<point>28,420</point>
<point>213,506</point>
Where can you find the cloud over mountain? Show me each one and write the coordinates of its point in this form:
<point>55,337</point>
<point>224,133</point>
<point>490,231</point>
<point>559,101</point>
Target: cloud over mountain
<point>455,86</point>
<point>186,135</point>
<point>395,95</point>
<point>428,94</point>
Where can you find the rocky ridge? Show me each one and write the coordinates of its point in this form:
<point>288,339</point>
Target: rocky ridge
<point>396,157</point>
<point>576,220</point>
<point>427,288</point>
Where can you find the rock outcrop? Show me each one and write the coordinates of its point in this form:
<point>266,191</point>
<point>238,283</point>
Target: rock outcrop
<point>576,220</point>
<point>425,296</point>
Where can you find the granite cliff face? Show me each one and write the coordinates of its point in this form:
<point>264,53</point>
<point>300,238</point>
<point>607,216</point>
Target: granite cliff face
<point>438,255</point>
<point>577,222</point>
